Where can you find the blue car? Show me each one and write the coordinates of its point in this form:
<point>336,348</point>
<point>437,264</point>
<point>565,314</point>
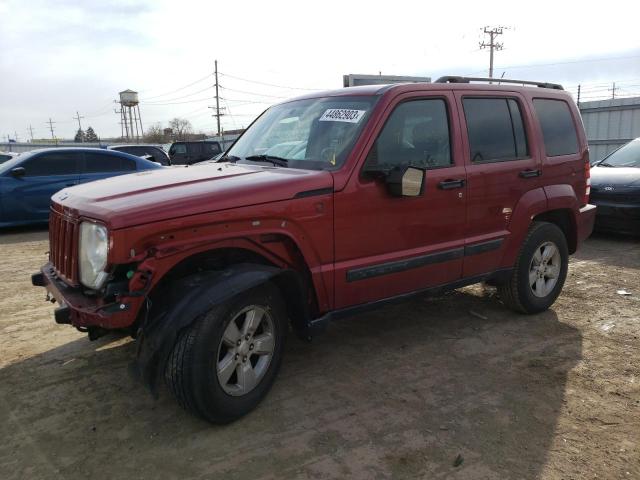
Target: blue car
<point>28,181</point>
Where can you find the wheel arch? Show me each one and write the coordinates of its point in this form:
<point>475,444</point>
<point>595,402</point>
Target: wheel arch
<point>564,219</point>
<point>183,299</point>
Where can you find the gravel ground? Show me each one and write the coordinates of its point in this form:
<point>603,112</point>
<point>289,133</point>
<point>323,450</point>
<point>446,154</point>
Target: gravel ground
<point>448,387</point>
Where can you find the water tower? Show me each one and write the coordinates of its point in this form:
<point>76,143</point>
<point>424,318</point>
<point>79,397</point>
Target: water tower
<point>130,120</point>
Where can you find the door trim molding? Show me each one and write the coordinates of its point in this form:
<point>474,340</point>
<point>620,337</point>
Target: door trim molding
<point>386,268</point>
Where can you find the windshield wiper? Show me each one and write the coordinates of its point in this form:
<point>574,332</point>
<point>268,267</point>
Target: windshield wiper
<point>605,164</point>
<point>277,161</point>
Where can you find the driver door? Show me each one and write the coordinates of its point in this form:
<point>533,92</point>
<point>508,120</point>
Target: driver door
<point>388,245</point>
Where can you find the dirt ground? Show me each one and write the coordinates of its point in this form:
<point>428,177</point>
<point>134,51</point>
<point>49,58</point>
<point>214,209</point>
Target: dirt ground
<point>448,387</point>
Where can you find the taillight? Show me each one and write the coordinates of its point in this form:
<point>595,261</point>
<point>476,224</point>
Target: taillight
<point>587,178</point>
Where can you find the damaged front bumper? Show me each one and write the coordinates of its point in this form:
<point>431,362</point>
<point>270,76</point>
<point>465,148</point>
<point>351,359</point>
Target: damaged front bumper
<point>81,310</point>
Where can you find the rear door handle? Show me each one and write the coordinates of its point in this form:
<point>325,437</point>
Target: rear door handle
<point>450,184</point>
<point>530,173</point>
<point>71,184</point>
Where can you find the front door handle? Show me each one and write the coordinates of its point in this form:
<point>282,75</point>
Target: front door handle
<point>71,184</point>
<point>450,184</point>
<point>530,173</point>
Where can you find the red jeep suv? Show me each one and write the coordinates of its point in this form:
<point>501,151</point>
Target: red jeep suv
<point>328,204</point>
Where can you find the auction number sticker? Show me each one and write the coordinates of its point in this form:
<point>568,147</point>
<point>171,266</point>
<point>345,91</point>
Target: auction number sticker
<point>342,115</point>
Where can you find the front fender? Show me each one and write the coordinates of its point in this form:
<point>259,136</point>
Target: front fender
<point>190,298</point>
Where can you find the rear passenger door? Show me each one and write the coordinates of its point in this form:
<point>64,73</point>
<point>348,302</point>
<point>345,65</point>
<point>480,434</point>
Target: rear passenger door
<point>99,165</point>
<point>502,165</point>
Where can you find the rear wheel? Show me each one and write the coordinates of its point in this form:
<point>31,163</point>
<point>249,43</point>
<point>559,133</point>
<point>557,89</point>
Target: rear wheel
<point>226,361</point>
<point>540,271</point>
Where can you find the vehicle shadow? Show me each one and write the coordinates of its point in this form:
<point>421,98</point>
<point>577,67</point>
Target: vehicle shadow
<point>611,249</point>
<point>452,387</point>
<point>10,235</point>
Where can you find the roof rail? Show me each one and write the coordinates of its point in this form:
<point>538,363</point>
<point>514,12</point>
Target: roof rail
<point>455,79</point>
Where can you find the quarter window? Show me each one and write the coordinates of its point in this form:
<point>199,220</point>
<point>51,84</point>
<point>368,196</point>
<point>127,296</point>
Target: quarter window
<point>558,130</point>
<point>58,163</point>
<point>417,134</point>
<point>496,130</point>
<point>102,163</point>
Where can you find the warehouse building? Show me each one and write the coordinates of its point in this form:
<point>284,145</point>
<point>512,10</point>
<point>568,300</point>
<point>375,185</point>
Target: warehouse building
<point>610,124</point>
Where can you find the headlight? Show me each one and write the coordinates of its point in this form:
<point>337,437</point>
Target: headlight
<point>94,246</point>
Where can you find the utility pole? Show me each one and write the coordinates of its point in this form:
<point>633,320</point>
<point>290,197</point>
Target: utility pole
<point>31,132</point>
<point>15,136</point>
<point>217,114</point>
<point>78,117</point>
<point>613,91</point>
<point>578,102</point>
<point>492,45</point>
<point>53,137</point>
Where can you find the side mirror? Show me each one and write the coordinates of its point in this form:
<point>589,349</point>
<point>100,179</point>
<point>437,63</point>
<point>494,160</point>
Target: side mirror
<point>405,181</point>
<point>18,172</point>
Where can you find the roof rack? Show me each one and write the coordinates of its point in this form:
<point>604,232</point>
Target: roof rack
<point>456,79</point>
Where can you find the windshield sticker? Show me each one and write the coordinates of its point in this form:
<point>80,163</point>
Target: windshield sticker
<point>342,115</point>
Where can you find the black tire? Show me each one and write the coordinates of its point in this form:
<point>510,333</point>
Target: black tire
<point>190,372</point>
<point>517,294</point>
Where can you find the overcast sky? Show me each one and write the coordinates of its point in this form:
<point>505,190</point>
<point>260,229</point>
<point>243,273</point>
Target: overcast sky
<point>62,56</point>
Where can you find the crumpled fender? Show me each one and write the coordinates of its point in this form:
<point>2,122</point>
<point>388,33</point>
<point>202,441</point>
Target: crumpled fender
<point>197,294</point>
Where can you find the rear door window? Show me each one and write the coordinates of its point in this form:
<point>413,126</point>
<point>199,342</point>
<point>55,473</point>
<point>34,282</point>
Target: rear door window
<point>558,129</point>
<point>496,130</point>
<point>98,162</point>
<point>54,163</point>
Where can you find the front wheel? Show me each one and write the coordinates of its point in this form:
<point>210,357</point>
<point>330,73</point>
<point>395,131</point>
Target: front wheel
<point>540,271</point>
<point>226,361</point>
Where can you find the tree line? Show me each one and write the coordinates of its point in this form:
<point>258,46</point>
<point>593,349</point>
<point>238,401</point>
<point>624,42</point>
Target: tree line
<point>178,130</point>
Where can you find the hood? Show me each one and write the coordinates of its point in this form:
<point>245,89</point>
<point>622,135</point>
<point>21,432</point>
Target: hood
<point>167,193</point>
<point>621,176</point>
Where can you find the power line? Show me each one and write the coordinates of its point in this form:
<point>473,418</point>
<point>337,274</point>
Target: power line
<point>179,98</point>
<point>534,65</point>
<point>253,93</point>
<point>181,88</point>
<point>205,99</point>
<point>268,84</point>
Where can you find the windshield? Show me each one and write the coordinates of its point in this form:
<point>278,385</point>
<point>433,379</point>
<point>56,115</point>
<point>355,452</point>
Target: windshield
<point>627,156</point>
<point>14,162</point>
<point>316,133</point>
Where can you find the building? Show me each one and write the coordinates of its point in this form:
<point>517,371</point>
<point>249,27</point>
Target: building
<point>610,124</point>
<point>354,80</point>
